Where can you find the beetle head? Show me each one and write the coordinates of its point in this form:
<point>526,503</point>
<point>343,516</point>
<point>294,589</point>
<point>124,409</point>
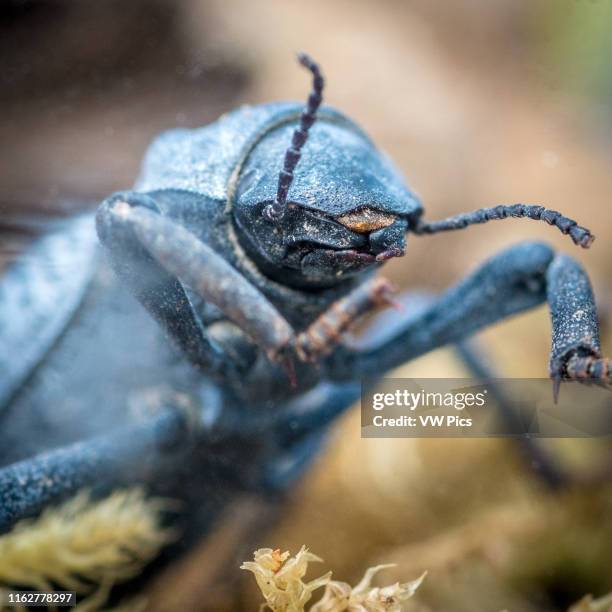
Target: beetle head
<point>342,210</point>
<point>347,210</point>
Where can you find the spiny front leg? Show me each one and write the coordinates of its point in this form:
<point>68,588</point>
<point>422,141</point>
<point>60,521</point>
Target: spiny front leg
<point>320,338</point>
<point>576,351</point>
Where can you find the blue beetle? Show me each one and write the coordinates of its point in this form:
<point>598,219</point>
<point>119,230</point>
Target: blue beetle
<point>211,205</point>
<point>253,243</point>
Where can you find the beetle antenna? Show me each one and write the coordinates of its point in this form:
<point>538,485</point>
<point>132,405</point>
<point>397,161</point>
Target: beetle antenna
<point>276,210</point>
<point>580,235</point>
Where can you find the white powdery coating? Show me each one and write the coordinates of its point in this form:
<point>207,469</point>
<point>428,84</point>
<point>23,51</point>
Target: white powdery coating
<point>202,160</point>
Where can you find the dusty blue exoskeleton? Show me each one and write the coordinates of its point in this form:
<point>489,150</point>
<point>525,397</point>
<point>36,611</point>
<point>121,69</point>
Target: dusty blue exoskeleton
<point>254,276</point>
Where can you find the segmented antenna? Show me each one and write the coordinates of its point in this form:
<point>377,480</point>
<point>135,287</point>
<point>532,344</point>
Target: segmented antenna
<point>276,210</point>
<point>580,235</point>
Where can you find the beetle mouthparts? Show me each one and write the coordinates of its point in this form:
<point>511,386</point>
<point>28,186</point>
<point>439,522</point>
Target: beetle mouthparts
<point>366,220</point>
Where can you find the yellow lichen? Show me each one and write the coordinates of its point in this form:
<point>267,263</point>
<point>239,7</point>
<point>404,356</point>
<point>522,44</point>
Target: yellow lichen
<point>340,596</point>
<point>588,604</point>
<point>279,578</point>
<point>84,545</point>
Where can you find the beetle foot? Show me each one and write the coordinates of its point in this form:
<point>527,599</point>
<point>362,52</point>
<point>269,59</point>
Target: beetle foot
<point>587,369</point>
<point>590,369</point>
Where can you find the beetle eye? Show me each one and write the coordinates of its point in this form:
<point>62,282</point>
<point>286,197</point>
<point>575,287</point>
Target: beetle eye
<point>366,220</point>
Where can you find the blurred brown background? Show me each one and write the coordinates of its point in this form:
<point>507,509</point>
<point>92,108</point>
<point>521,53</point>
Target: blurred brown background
<point>479,102</point>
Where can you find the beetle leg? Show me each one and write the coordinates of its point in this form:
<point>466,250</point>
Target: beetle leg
<point>319,339</point>
<point>296,430</point>
<point>171,255</point>
<point>517,279</point>
<point>135,454</point>
<point>160,293</point>
<point>576,351</point>
<point>186,257</point>
<point>388,323</point>
<point>508,283</point>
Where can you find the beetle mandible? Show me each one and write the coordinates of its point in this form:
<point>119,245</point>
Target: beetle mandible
<point>253,243</point>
